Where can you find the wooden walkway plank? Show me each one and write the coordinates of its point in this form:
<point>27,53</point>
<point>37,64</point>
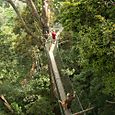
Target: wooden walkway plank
<point>58,80</point>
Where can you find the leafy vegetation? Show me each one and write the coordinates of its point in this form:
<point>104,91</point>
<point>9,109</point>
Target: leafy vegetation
<point>92,51</point>
<point>25,88</point>
<point>88,38</point>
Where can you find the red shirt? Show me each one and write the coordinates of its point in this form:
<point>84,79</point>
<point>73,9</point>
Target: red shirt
<point>53,35</point>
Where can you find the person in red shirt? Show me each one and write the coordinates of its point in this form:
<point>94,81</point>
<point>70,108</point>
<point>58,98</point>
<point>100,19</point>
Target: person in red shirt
<point>53,36</point>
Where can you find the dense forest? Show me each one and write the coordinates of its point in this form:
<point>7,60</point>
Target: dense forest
<point>86,48</point>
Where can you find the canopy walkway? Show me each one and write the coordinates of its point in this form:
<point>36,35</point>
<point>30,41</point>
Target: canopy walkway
<point>60,84</point>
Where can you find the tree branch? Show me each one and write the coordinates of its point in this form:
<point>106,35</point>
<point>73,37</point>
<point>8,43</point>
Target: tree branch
<point>2,98</point>
<point>45,11</point>
<point>34,10</point>
<point>111,102</point>
<point>42,21</point>
<point>22,21</point>
<point>81,112</point>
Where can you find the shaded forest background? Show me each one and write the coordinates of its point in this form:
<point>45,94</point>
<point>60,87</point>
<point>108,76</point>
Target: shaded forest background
<point>86,48</point>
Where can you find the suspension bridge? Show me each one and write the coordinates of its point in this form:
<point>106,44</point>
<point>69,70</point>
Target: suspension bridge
<point>60,84</point>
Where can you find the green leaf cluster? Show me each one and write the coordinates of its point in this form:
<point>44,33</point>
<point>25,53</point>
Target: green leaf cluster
<point>92,51</point>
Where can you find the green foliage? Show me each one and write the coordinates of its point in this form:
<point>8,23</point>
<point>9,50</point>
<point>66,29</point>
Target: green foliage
<point>41,106</point>
<point>18,51</point>
<point>92,51</point>
<point>17,108</point>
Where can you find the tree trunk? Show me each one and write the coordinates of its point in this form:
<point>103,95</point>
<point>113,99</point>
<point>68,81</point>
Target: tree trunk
<point>45,13</point>
<point>7,105</point>
<point>36,38</point>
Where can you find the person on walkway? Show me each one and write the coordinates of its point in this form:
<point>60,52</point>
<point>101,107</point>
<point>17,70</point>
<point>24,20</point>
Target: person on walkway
<point>66,104</point>
<point>53,36</point>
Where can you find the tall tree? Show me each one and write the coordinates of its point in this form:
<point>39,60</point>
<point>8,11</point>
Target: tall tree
<point>42,22</point>
<point>91,24</point>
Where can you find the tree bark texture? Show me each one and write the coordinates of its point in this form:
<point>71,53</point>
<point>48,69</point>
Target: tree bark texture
<point>45,13</point>
<point>7,105</point>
